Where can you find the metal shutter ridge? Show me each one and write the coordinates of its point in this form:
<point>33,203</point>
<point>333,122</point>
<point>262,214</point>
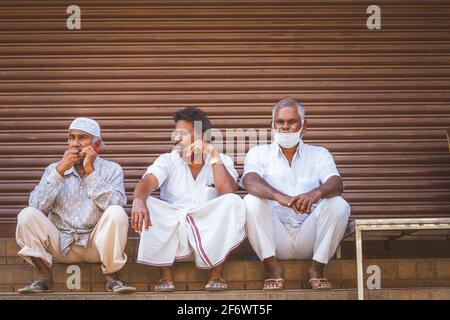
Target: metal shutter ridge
<point>377,99</point>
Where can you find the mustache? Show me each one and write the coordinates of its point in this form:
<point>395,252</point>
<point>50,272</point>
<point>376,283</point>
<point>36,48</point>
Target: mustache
<point>179,147</point>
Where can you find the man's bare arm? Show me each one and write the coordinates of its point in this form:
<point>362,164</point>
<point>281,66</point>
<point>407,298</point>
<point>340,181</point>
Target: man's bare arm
<point>139,212</point>
<point>257,186</point>
<point>145,187</point>
<point>331,188</point>
<point>223,180</point>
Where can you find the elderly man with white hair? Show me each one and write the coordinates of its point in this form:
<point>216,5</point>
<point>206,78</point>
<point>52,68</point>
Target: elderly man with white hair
<point>294,207</point>
<point>75,213</point>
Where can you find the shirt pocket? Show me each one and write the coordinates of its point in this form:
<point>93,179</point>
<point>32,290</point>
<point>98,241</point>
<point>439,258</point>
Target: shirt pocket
<point>306,184</point>
<point>210,193</point>
<point>280,179</point>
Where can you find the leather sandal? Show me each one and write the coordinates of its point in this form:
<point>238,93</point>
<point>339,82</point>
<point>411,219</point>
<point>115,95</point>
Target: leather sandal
<point>320,284</point>
<point>36,286</point>
<point>164,286</point>
<point>119,286</point>
<point>216,285</point>
<point>273,284</point>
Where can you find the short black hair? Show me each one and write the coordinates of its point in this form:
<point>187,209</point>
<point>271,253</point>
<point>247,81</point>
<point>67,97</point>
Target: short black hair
<point>193,114</point>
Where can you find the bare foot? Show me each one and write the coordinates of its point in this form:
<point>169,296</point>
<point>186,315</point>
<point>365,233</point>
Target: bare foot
<point>274,274</point>
<point>316,270</point>
<point>165,282</point>
<point>317,280</point>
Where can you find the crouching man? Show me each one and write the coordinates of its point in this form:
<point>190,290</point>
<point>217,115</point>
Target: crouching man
<point>75,214</point>
<point>294,207</point>
<point>197,213</point>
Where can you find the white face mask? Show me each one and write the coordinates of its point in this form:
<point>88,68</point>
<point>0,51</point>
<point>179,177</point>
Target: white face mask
<point>287,140</point>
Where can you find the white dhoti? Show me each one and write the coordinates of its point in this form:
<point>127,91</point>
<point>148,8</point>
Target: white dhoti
<point>210,232</point>
<point>316,238</point>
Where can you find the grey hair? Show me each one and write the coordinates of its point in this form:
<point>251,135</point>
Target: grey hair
<point>289,102</point>
<point>95,139</point>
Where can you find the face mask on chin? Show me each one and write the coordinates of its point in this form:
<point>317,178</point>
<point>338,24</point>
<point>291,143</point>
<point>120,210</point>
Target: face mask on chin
<point>287,140</point>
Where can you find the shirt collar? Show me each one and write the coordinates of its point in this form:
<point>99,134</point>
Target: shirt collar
<point>276,149</point>
<point>72,169</point>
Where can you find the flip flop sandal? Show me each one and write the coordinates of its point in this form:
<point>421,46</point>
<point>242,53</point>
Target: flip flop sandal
<point>164,286</point>
<point>119,286</point>
<point>36,287</point>
<point>273,284</point>
<point>320,284</point>
<point>216,285</point>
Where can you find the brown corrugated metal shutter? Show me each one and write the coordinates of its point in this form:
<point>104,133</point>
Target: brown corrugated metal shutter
<point>379,100</point>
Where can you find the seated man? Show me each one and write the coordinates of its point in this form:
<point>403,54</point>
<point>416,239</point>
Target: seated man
<point>75,212</point>
<point>294,208</point>
<point>197,212</point>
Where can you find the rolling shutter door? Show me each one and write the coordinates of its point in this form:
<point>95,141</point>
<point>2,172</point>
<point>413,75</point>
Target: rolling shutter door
<point>378,100</point>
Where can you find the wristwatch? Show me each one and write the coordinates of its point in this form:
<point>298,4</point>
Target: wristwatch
<point>214,160</point>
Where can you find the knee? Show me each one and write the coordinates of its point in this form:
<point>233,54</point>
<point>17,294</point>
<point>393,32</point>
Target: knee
<point>27,216</point>
<point>117,214</point>
<point>339,207</point>
<point>253,205</point>
<point>233,203</point>
<point>232,197</point>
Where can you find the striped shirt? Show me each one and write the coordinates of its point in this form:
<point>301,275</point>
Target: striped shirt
<point>75,204</point>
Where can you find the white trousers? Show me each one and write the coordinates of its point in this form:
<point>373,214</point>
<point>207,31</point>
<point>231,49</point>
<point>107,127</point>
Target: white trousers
<point>38,237</point>
<point>316,238</point>
<point>209,231</point>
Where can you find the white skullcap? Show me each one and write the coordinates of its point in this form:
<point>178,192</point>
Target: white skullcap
<point>87,125</point>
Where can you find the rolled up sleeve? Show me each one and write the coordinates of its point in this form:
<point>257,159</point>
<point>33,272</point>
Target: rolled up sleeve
<point>326,166</point>
<point>252,163</point>
<point>229,165</point>
<point>160,168</point>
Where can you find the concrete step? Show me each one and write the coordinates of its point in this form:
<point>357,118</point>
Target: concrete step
<point>372,249</point>
<point>240,274</point>
<point>336,294</point>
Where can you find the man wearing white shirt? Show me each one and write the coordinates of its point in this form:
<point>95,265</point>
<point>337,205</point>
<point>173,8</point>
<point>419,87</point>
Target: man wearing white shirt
<point>294,207</point>
<point>197,213</point>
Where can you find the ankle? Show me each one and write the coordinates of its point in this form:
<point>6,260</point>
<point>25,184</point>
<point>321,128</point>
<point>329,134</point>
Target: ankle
<point>166,276</point>
<point>315,273</point>
<point>271,265</point>
<point>46,277</point>
<point>110,277</point>
<point>215,276</point>
<point>274,272</point>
